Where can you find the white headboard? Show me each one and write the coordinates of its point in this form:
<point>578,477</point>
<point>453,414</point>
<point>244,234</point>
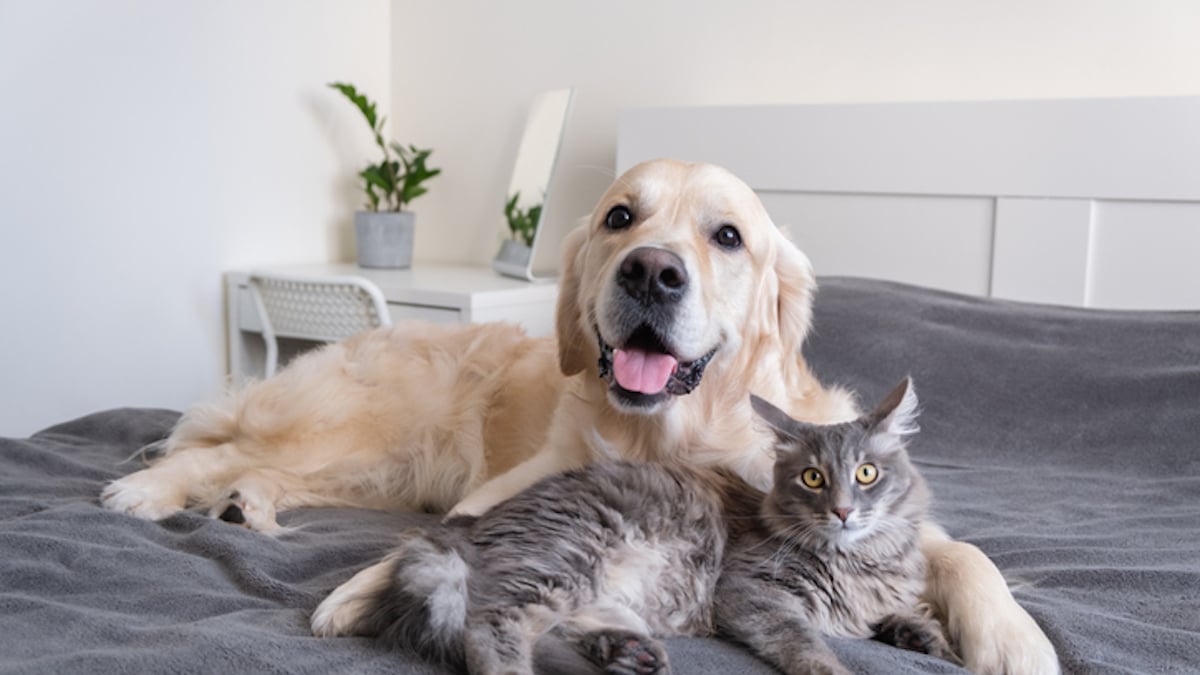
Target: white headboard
<point>1086,202</point>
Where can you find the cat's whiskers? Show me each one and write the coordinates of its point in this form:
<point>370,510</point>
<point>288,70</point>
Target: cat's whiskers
<point>782,552</point>
<point>800,534</point>
<point>763,516</point>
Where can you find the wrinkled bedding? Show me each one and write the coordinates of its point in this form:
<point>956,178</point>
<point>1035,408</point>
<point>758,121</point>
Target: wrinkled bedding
<point>1065,443</point>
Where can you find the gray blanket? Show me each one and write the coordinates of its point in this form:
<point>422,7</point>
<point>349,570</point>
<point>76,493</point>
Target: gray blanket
<point>1062,442</point>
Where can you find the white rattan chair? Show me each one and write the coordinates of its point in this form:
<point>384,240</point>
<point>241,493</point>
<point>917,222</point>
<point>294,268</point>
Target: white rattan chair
<point>320,309</point>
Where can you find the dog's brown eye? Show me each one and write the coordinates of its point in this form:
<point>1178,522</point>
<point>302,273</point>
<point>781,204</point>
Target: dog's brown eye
<point>728,237</point>
<point>618,218</point>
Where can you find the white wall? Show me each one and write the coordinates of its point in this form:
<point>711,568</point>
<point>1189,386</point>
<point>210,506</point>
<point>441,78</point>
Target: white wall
<point>464,72</point>
<point>145,148</point>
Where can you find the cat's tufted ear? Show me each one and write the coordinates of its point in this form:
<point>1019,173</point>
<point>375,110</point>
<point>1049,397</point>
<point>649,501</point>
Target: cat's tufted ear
<point>897,414</point>
<point>572,357</point>
<point>779,421</point>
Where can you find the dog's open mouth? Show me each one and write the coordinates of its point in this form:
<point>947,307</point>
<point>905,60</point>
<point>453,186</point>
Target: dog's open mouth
<point>645,371</point>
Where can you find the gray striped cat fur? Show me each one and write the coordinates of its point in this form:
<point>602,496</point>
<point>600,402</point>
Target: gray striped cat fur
<point>614,555</point>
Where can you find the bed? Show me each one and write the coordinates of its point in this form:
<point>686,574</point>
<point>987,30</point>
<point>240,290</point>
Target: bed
<point>1079,202</point>
<point>1063,442</point>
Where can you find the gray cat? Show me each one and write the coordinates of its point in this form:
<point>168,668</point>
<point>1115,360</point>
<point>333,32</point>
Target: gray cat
<point>613,555</point>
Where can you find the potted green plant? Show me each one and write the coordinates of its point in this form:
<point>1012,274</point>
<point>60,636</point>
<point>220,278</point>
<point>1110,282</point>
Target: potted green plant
<point>384,230</point>
<point>522,226</point>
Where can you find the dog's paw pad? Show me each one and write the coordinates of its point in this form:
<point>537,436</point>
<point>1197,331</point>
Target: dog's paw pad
<point>233,514</point>
<point>245,509</point>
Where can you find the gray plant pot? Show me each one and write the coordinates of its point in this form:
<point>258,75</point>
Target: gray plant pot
<point>385,238</point>
<point>513,259</point>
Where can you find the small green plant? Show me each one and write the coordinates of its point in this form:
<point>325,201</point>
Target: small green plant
<point>522,222</point>
<point>399,176</point>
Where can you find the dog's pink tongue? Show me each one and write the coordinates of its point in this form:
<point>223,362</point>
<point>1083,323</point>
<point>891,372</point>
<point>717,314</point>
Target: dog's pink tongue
<point>643,372</point>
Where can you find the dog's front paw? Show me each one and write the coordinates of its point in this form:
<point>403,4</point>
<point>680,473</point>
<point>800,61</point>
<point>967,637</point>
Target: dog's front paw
<point>1009,643</point>
<point>464,512</point>
<point>993,634</point>
<point>144,494</point>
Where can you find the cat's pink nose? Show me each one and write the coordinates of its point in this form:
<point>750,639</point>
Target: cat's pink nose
<point>843,513</point>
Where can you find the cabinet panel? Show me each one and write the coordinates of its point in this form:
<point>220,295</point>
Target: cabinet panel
<point>941,242</point>
<point>1041,250</point>
<point>1145,255</point>
<point>402,312</point>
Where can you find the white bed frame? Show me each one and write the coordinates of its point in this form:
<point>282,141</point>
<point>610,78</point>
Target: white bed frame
<point>1085,202</point>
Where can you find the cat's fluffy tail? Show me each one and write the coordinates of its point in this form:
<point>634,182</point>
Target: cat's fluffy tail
<point>415,598</point>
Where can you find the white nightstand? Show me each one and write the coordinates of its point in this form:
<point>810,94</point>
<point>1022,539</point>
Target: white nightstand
<point>430,292</point>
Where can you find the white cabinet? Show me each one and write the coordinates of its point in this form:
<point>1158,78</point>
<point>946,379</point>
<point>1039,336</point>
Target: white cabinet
<point>429,292</point>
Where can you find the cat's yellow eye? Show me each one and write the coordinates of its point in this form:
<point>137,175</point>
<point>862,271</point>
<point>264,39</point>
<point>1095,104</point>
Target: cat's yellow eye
<point>812,478</point>
<point>866,474</point>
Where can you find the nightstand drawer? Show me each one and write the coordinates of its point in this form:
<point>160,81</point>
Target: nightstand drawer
<point>405,312</point>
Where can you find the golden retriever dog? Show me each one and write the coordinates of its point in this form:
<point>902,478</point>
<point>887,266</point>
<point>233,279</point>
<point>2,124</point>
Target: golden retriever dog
<point>678,298</point>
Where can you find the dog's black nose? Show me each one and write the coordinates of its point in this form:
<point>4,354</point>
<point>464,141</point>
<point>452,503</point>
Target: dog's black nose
<point>653,275</point>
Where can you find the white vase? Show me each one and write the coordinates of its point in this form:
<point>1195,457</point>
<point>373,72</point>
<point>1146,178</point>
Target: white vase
<point>384,239</point>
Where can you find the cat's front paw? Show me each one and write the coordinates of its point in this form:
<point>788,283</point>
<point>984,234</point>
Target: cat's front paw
<point>816,664</point>
<point>915,633</point>
<point>625,653</point>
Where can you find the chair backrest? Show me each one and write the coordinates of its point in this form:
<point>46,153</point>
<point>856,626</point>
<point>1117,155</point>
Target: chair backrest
<point>322,309</point>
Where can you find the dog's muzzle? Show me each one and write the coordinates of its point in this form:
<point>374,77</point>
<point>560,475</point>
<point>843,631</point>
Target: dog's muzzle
<point>642,368</point>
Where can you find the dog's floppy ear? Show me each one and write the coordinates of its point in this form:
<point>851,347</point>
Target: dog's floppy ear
<point>796,285</point>
<point>572,355</point>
